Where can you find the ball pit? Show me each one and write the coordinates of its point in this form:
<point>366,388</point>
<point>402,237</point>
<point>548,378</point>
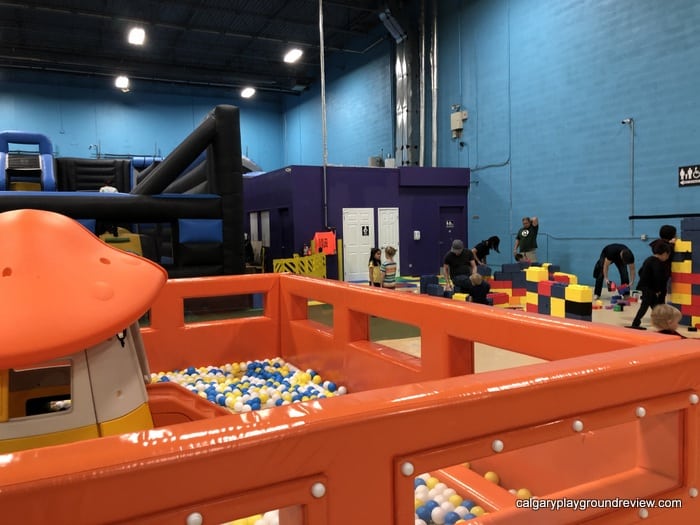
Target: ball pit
<point>438,504</point>
<point>252,385</point>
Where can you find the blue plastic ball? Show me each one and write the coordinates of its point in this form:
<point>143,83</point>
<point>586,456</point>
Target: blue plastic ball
<point>431,504</point>
<point>423,512</point>
<point>418,482</point>
<point>451,518</point>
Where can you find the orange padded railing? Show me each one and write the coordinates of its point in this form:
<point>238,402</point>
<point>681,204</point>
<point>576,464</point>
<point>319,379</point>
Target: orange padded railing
<point>613,415</point>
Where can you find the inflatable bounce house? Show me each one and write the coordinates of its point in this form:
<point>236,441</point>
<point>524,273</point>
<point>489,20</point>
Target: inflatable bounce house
<point>604,429</point>
<point>185,212</point>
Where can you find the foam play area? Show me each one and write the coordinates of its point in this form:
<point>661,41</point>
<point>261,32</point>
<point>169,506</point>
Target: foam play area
<point>608,423</point>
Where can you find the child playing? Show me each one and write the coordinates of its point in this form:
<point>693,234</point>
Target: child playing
<point>665,318</point>
<point>388,269</point>
<point>652,281</point>
<point>375,263</point>
<point>478,289</point>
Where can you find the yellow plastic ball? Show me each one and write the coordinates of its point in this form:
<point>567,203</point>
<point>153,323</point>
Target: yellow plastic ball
<point>523,494</point>
<point>418,503</point>
<point>492,477</point>
<point>431,482</point>
<point>455,499</point>
<point>468,465</point>
<point>477,510</point>
<point>317,379</point>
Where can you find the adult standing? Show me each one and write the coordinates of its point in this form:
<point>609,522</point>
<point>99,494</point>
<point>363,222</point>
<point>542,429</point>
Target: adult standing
<point>482,249</point>
<point>619,255</point>
<point>458,264</point>
<point>526,239</point>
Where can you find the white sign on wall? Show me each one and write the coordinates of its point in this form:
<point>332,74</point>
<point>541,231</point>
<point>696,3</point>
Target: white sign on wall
<point>688,176</point>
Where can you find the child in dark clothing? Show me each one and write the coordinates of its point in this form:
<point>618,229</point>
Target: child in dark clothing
<point>652,281</point>
<point>667,233</point>
<point>478,289</point>
<point>665,318</point>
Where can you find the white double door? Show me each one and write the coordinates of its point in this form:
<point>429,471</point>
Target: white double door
<point>359,238</point>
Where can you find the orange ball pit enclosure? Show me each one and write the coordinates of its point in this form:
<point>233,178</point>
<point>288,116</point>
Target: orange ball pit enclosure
<point>612,416</point>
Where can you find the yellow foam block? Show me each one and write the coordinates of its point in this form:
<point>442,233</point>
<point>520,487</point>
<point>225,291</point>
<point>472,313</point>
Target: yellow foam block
<point>557,307</point>
<point>579,293</point>
<point>682,267</point>
<point>681,298</point>
<point>682,246</point>
<point>536,274</point>
<point>531,297</point>
<point>572,278</point>
<point>460,296</point>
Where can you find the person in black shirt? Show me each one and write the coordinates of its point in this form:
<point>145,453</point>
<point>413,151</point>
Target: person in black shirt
<point>482,249</point>
<point>667,233</point>
<point>619,255</point>
<point>652,281</point>
<point>458,264</point>
<point>478,289</point>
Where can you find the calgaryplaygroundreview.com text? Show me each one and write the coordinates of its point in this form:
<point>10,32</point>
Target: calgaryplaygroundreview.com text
<point>583,504</point>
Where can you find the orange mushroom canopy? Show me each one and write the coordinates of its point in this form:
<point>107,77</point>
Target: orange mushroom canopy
<point>62,289</point>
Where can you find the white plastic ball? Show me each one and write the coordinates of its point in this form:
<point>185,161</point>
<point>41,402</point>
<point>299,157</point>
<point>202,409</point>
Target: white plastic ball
<point>438,515</point>
<point>447,506</point>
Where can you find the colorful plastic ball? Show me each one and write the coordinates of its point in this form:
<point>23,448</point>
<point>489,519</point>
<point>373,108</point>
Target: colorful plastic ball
<point>492,477</point>
<point>431,482</point>
<point>438,515</point>
<point>468,504</point>
<point>432,504</point>
<point>451,518</point>
<point>523,494</point>
<point>477,511</point>
<point>455,499</point>
<point>418,482</point>
<point>423,513</point>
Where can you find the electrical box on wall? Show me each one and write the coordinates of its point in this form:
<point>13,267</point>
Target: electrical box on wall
<point>457,119</point>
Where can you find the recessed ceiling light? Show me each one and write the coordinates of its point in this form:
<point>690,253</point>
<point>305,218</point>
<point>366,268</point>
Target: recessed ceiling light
<point>122,82</point>
<point>247,92</point>
<point>137,36</point>
<point>293,55</point>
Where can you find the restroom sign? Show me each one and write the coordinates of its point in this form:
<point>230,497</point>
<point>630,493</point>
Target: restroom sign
<point>688,176</point>
<point>365,231</point>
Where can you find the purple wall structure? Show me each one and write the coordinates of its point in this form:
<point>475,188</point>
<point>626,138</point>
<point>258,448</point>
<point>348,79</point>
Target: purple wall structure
<point>427,198</point>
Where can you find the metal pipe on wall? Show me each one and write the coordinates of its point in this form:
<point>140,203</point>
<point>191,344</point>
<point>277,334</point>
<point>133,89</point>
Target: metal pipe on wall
<point>630,122</point>
<point>324,130</point>
<point>421,154</point>
<point>434,81</point>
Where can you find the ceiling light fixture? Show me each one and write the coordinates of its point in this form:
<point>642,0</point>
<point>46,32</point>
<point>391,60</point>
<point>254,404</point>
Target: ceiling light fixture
<point>137,36</point>
<point>293,55</point>
<point>392,25</point>
<point>247,92</point>
<point>122,82</point>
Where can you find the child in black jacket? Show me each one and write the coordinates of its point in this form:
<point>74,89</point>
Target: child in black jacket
<point>652,281</point>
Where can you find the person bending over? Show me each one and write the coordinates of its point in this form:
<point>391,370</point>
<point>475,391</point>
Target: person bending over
<point>458,264</point>
<point>619,255</point>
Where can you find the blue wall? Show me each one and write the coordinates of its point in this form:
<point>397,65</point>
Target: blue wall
<point>359,111</point>
<point>150,120</point>
<point>546,86</point>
